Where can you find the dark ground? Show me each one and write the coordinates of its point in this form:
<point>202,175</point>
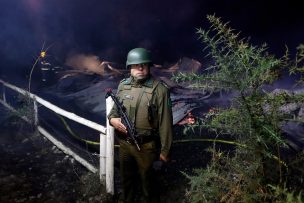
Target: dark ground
<point>33,170</point>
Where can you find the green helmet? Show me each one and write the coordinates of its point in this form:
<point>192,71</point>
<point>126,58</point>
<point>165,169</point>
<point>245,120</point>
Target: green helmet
<point>138,56</point>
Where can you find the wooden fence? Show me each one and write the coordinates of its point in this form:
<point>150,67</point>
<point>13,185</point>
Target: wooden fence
<point>106,153</point>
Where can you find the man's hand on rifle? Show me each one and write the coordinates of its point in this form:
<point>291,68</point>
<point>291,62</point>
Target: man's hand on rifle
<point>163,158</point>
<point>117,124</point>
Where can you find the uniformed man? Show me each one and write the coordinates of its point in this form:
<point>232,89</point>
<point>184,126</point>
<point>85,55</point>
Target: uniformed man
<point>148,106</point>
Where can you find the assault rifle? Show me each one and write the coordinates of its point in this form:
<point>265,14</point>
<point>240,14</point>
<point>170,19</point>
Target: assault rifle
<point>131,132</point>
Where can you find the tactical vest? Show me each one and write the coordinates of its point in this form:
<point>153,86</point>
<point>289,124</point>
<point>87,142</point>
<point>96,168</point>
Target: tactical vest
<point>138,102</point>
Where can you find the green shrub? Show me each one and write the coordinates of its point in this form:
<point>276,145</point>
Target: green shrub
<point>253,121</point>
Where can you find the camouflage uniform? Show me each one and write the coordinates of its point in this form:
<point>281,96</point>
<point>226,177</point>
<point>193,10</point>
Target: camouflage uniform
<point>149,106</point>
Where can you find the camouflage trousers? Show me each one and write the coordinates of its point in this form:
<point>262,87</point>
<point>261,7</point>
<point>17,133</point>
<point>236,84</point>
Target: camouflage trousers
<point>136,169</point>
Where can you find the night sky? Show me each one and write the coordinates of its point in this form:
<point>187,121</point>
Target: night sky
<point>109,29</point>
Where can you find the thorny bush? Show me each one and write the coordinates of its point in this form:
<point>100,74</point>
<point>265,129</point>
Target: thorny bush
<point>261,167</point>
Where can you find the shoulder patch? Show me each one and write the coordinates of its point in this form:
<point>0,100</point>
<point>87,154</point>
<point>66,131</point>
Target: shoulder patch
<point>169,103</point>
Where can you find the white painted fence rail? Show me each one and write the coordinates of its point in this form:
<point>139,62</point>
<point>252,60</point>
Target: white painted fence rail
<point>106,135</point>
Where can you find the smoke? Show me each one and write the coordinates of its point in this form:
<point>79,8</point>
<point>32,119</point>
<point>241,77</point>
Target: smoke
<point>109,29</point>
<point>86,62</point>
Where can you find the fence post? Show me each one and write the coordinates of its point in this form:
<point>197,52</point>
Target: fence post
<point>109,150</point>
<point>35,112</point>
<point>102,161</point>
